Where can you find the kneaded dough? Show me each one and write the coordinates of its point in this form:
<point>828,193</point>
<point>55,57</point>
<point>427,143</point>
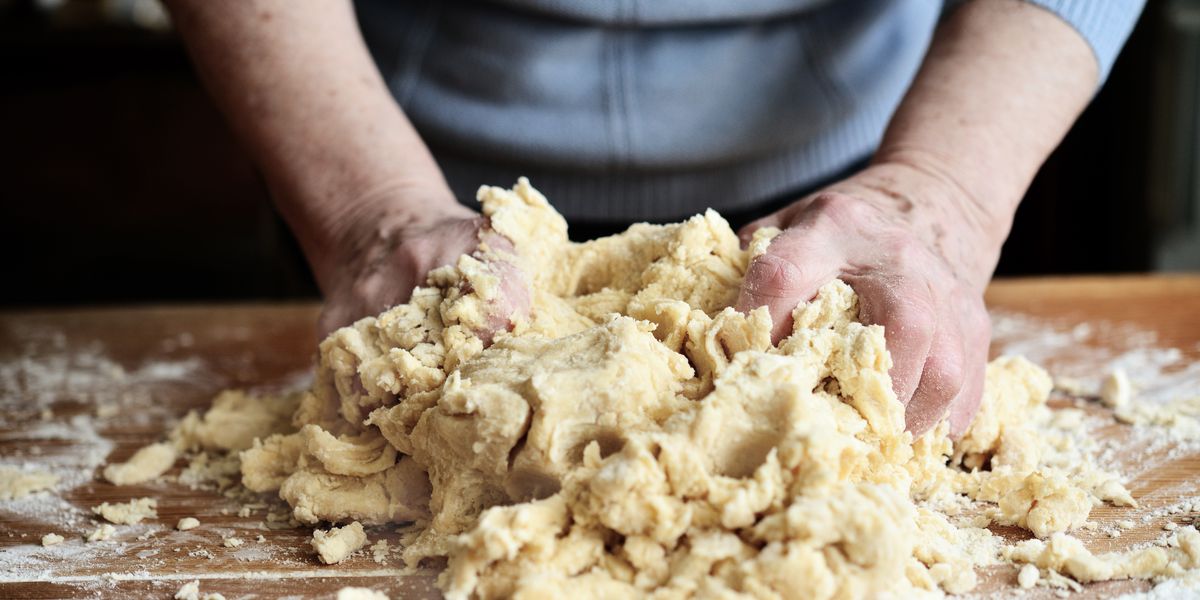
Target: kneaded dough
<point>148,463</point>
<point>634,435</point>
<point>337,544</point>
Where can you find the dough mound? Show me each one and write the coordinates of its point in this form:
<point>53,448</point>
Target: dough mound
<point>637,436</point>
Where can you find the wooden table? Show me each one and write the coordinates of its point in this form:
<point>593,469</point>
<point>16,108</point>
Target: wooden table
<point>142,368</point>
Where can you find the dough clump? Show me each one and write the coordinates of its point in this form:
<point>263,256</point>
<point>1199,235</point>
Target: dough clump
<point>16,483</point>
<point>636,436</point>
<point>128,513</point>
<point>337,544</point>
<point>146,464</point>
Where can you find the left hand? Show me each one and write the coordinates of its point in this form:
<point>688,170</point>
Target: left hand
<point>919,260</point>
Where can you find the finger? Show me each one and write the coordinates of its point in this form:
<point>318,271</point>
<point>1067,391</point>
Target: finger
<point>941,380</point>
<point>964,407</point>
<point>515,298</point>
<point>796,264</point>
<point>908,319</point>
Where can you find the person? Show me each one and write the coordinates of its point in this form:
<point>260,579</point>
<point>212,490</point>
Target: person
<point>890,140</point>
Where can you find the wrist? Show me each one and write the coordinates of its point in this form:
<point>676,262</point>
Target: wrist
<point>341,239</point>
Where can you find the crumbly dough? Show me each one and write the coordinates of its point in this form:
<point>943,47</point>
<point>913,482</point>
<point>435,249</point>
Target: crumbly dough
<point>636,436</point>
<point>187,523</point>
<point>360,593</point>
<point>337,544</point>
<point>128,513</point>
<point>1067,554</point>
<point>191,591</point>
<point>101,533</point>
<point>235,420</point>
<point>15,483</point>
<point>51,539</point>
<point>148,463</point>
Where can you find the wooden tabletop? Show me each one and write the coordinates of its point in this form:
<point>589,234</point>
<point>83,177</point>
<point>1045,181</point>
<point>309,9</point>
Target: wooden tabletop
<point>79,388</point>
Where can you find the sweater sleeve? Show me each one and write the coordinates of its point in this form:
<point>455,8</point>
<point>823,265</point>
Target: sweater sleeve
<point>1104,24</point>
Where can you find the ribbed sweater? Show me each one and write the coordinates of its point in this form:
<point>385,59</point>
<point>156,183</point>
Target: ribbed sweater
<point>624,110</point>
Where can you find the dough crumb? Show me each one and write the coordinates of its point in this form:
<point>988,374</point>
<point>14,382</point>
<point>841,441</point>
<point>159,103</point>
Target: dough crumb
<point>101,533</point>
<point>15,483</point>
<point>148,463</point>
<point>191,591</point>
<point>379,551</point>
<point>187,523</point>
<point>128,513</point>
<point>337,544</point>
<point>1116,390</point>
<point>51,539</point>
<point>360,593</point>
<point>232,542</point>
<point>1028,576</point>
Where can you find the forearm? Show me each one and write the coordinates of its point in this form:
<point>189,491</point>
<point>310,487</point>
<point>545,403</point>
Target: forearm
<point>1002,83</point>
<point>297,83</point>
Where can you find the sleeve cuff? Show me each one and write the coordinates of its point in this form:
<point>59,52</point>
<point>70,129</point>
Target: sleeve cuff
<point>1105,24</point>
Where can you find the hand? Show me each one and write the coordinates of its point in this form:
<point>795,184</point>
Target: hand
<point>382,258</point>
<point>918,261</point>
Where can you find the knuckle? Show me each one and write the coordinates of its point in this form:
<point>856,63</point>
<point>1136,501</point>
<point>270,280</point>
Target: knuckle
<point>773,275</point>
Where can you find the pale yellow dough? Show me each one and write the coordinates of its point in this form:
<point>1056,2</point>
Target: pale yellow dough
<point>636,436</point>
<point>128,513</point>
<point>148,463</point>
<point>15,483</point>
<point>337,544</point>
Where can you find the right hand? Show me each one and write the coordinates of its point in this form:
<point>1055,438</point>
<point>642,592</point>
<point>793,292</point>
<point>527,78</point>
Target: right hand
<point>382,255</point>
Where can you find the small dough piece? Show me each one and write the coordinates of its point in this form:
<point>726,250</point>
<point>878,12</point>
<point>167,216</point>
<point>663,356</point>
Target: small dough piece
<point>187,523</point>
<point>1116,391</point>
<point>148,463</point>
<point>191,591</point>
<point>101,533</point>
<point>360,593</point>
<point>51,539</point>
<point>128,513</point>
<point>15,483</point>
<point>1028,576</point>
<point>337,544</point>
<point>232,542</point>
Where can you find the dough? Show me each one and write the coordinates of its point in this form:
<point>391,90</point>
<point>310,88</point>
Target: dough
<point>235,420</point>
<point>1116,390</point>
<point>101,533</point>
<point>128,513</point>
<point>51,539</point>
<point>337,544</point>
<point>15,483</point>
<point>360,593</point>
<point>636,436</point>
<point>146,464</point>
<point>187,523</point>
<point>191,591</point>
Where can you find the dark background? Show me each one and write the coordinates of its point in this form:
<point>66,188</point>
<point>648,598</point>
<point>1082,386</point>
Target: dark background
<point>122,183</point>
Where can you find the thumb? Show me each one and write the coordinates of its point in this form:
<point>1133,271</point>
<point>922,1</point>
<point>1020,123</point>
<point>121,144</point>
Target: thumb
<point>796,264</point>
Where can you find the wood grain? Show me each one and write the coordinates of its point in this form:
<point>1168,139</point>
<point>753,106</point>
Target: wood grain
<point>174,359</point>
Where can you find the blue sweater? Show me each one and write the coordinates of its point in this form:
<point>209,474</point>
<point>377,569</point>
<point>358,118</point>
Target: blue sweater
<point>626,110</point>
